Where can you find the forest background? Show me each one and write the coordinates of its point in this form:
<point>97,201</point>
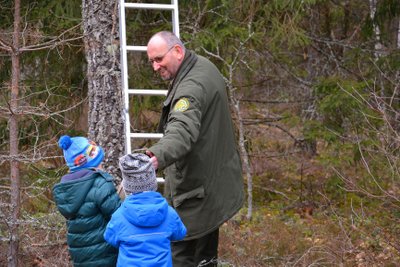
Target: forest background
<point>314,92</point>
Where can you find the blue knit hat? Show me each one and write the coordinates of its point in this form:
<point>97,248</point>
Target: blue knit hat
<point>80,153</point>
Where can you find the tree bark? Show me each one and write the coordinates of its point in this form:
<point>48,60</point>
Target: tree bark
<point>105,116</point>
<point>13,126</point>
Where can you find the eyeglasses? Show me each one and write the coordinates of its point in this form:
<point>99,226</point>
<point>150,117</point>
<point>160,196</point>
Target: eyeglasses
<point>159,59</point>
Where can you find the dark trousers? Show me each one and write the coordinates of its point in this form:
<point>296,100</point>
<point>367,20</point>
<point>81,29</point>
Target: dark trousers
<point>196,252</point>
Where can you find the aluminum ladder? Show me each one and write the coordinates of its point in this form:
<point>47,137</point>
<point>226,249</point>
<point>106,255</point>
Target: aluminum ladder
<point>125,48</point>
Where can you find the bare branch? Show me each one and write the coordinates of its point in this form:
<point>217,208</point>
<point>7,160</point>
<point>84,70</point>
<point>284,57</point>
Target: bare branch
<point>5,46</point>
<point>54,42</point>
<point>300,101</point>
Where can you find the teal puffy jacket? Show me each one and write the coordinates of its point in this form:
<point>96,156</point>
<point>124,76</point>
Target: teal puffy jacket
<point>87,202</point>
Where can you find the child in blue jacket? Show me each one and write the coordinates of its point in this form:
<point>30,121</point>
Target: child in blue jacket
<point>144,226</point>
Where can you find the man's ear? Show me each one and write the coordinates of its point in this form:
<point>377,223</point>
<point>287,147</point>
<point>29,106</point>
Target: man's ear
<point>180,53</point>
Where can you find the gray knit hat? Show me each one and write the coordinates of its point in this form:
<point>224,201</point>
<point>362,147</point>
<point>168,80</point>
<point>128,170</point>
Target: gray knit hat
<point>138,173</point>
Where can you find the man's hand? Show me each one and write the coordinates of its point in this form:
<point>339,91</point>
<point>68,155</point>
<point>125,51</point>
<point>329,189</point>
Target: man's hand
<point>153,159</point>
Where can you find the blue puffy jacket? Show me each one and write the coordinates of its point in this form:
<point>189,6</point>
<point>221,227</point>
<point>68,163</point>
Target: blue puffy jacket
<point>143,228</point>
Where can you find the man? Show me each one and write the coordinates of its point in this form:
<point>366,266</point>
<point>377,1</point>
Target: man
<point>203,177</point>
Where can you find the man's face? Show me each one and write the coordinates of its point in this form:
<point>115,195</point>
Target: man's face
<point>164,60</point>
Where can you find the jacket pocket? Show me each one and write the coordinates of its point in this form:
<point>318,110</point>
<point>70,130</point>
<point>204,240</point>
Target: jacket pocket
<point>197,193</point>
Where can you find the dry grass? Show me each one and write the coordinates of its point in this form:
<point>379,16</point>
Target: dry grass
<point>289,240</point>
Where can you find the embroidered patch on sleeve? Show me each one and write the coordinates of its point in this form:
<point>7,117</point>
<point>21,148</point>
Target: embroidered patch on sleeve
<point>181,105</point>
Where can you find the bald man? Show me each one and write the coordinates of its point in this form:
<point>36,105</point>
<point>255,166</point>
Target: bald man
<point>198,152</point>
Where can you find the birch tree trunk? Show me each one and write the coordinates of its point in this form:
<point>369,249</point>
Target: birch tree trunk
<point>378,45</point>
<point>398,35</point>
<point>13,126</point>
<point>396,94</point>
<point>105,116</point>
<point>245,157</point>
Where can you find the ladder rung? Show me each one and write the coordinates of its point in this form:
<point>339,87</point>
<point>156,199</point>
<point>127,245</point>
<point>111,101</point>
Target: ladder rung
<point>147,92</point>
<point>136,48</point>
<point>150,6</point>
<point>146,135</point>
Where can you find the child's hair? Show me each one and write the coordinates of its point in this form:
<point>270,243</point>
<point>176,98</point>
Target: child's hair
<point>80,153</point>
<point>138,173</point>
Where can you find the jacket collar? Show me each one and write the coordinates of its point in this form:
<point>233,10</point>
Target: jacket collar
<point>187,64</point>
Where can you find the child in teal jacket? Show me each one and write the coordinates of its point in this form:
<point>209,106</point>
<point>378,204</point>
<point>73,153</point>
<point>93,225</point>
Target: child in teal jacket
<point>86,197</point>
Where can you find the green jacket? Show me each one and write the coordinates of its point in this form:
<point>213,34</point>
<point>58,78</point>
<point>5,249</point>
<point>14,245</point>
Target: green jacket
<point>87,203</point>
<point>203,176</point>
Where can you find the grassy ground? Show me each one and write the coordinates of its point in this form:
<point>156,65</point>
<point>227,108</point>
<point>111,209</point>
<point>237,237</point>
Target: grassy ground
<point>304,214</point>
<point>273,237</point>
<point>294,240</point>
<point>277,235</point>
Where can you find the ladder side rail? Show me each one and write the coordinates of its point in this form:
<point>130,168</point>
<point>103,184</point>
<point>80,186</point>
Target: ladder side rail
<point>175,18</point>
<point>124,74</point>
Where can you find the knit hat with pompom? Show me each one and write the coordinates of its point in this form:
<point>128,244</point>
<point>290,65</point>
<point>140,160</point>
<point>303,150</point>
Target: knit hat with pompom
<point>80,153</point>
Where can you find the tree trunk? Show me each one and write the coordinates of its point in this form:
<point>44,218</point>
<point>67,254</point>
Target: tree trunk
<point>396,94</point>
<point>398,34</point>
<point>235,104</point>
<point>245,159</point>
<point>105,116</point>
<point>13,126</point>
<point>378,45</point>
